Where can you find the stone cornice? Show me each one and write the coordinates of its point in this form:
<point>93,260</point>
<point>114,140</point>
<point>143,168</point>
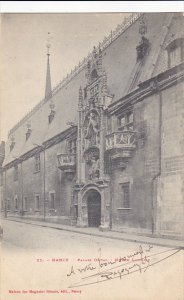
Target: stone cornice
<point>47,144</point>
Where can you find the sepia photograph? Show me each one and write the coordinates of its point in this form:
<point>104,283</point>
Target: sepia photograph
<point>92,156</point>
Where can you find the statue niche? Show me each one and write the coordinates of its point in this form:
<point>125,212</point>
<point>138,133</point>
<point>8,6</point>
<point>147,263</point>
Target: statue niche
<point>92,130</point>
<point>94,169</point>
<point>92,164</point>
<point>94,75</point>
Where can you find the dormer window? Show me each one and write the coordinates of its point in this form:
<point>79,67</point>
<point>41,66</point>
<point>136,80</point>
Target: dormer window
<point>51,116</point>
<point>12,144</point>
<point>28,133</point>
<point>142,48</point>
<point>52,112</point>
<point>175,52</point>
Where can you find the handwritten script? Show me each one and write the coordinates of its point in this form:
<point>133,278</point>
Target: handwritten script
<point>101,270</point>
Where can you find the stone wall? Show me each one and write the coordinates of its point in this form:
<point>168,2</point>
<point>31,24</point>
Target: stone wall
<point>156,170</point>
<point>140,170</point>
<point>170,201</point>
<point>32,183</point>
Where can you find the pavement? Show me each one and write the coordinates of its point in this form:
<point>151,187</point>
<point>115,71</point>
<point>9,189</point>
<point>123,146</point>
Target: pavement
<point>165,242</point>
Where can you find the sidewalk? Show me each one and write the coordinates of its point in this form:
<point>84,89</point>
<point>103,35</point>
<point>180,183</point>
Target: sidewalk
<point>165,242</point>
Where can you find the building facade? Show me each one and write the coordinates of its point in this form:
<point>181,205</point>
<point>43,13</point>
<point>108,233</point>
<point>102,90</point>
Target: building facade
<point>110,149</point>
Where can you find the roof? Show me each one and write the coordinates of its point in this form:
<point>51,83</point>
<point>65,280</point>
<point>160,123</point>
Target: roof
<point>123,71</point>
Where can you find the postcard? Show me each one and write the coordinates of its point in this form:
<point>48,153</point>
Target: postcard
<point>92,156</point>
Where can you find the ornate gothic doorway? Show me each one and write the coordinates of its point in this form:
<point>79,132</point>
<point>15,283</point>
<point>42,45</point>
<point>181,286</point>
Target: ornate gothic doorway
<point>94,208</point>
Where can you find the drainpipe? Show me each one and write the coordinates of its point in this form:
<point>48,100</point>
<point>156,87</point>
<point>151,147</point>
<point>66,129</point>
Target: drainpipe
<point>158,174</point>
<point>112,128</point>
<point>111,199</point>
<point>22,190</point>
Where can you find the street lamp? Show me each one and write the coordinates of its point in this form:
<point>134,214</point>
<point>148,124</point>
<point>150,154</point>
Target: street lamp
<point>44,206</point>
<point>22,190</point>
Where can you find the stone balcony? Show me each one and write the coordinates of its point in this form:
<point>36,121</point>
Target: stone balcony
<point>67,162</point>
<point>121,144</point>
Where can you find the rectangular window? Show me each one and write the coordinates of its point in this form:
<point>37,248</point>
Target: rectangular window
<point>122,121</point>
<point>25,203</point>
<point>1,179</point>
<point>76,211</point>
<point>125,122</point>
<point>109,124</point>
<point>37,163</point>
<point>125,194</point>
<point>72,146</point>
<point>16,172</point>
<point>130,117</point>
<point>8,204</point>
<point>52,200</point>
<point>16,203</point>
<point>37,202</point>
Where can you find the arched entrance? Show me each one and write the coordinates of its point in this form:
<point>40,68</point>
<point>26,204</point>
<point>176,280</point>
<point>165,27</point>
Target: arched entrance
<point>94,208</point>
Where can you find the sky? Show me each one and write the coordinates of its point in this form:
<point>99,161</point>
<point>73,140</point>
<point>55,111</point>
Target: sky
<point>23,55</point>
